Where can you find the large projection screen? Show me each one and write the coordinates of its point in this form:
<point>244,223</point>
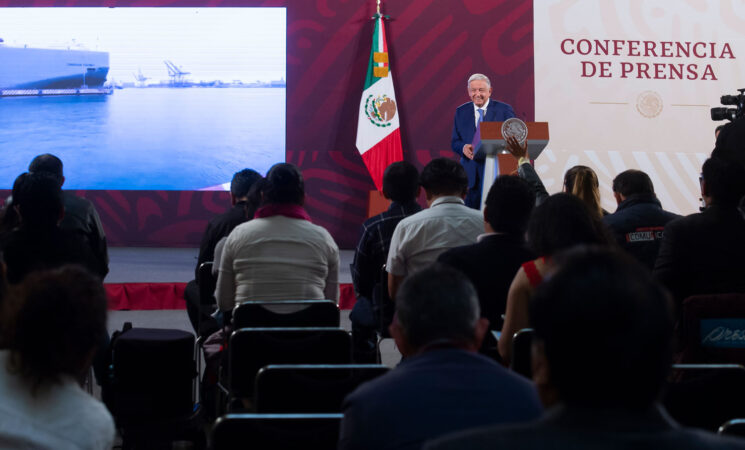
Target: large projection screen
<point>143,98</point>
<point>629,84</point>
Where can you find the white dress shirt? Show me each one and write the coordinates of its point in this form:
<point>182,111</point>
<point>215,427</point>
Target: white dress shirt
<point>420,238</point>
<point>476,111</point>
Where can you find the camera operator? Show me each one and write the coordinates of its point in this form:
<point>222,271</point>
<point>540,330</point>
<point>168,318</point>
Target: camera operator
<point>730,143</point>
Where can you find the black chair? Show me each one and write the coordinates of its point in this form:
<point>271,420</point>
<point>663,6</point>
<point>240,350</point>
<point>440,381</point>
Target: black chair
<point>151,387</point>
<point>250,349</point>
<point>309,388</point>
<point>711,329</point>
<point>276,432</point>
<point>705,395</point>
<point>522,342</point>
<point>207,282</point>
<point>734,427</point>
<point>303,313</point>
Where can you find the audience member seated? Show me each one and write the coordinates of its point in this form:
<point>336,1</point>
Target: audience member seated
<point>401,186</point>
<point>419,239</point>
<point>280,254</point>
<point>703,253</point>
<point>580,181</point>
<point>243,209</point>
<point>58,323</point>
<point>559,223</point>
<point>39,243</point>
<point>492,262</point>
<point>442,385</point>
<point>81,216</point>
<point>603,345</point>
<point>639,221</point>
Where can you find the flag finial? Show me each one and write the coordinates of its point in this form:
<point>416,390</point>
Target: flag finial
<point>378,6</point>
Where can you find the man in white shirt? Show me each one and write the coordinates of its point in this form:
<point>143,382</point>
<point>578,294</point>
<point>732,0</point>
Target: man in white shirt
<point>420,238</point>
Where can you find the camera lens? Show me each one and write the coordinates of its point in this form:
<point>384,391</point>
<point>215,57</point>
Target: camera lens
<point>730,99</point>
<point>723,113</point>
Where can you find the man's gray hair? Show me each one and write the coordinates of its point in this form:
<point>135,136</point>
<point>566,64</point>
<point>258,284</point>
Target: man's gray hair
<point>437,304</point>
<point>478,76</point>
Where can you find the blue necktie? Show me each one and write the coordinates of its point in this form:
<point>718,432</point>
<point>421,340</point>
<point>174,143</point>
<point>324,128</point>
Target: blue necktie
<point>481,116</point>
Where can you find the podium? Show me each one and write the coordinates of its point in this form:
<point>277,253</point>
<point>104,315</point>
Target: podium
<point>488,143</point>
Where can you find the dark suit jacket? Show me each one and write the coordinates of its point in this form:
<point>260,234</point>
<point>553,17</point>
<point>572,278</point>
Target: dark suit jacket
<point>491,265</point>
<point>563,428</point>
<point>430,394</point>
<point>464,128</point>
<point>218,228</point>
<point>703,253</point>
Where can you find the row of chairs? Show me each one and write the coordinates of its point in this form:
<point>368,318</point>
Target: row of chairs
<point>294,365</point>
<point>696,395</point>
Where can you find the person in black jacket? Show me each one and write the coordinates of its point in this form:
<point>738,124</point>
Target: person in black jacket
<point>492,262</point>
<point>639,220</point>
<point>81,216</point>
<point>703,253</point>
<point>39,243</point>
<point>243,209</point>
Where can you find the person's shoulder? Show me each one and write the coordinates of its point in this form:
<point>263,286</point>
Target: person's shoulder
<point>465,107</point>
<point>69,198</point>
<point>458,254</point>
<point>499,105</point>
<point>488,437</point>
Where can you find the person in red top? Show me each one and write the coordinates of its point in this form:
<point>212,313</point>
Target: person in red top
<point>561,222</point>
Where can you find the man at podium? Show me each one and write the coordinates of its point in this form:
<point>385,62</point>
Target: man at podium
<point>467,117</point>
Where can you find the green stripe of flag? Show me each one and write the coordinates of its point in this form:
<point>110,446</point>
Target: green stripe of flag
<point>370,79</point>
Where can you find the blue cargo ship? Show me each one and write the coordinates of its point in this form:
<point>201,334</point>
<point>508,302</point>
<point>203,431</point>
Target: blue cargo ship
<point>40,71</point>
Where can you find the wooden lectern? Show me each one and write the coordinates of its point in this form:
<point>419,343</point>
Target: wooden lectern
<point>489,143</point>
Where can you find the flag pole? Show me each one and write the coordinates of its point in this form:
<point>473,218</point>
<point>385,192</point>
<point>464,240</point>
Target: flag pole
<point>377,13</point>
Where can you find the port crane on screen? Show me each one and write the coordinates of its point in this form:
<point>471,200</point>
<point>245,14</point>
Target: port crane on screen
<point>175,73</point>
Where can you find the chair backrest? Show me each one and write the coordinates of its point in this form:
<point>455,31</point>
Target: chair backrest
<point>705,395</point>
<point>276,431</point>
<point>152,372</point>
<point>207,283</point>
<point>382,303</point>
<point>521,352</point>
<point>713,329</point>
<point>734,427</point>
<point>302,313</point>
<point>250,349</point>
<point>309,388</point>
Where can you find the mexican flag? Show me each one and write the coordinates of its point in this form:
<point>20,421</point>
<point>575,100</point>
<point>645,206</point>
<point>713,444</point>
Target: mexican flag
<point>378,134</point>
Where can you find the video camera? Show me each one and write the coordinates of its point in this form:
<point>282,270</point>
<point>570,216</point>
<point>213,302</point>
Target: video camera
<point>730,113</point>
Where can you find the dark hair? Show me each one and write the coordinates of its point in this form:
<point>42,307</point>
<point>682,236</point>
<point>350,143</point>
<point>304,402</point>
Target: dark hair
<point>725,181</point>
<point>61,318</point>
<point>437,303</point>
<point>10,218</point>
<point>38,196</point>
<point>632,182</point>
<point>582,182</point>
<point>401,182</point>
<point>47,163</point>
<point>509,204</point>
<point>242,182</point>
<point>563,221</point>
<point>443,176</point>
<point>283,184</point>
<point>606,327</point>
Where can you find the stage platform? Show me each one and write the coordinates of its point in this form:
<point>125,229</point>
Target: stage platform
<point>143,278</point>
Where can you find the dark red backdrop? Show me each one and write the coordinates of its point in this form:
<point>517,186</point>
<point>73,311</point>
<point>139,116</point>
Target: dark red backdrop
<point>434,45</point>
